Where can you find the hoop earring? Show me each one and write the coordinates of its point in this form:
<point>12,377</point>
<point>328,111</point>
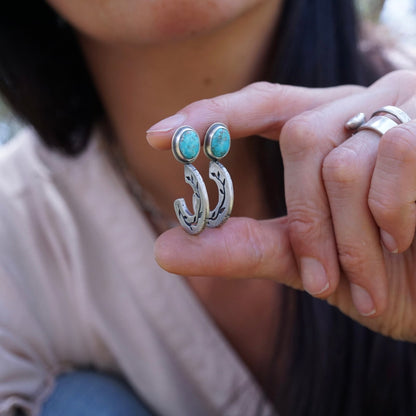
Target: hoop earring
<point>217,144</point>
<point>185,148</point>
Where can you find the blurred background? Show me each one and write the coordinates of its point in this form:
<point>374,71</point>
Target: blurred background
<point>392,21</point>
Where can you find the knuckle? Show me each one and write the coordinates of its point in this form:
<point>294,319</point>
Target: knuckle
<point>405,79</point>
<point>352,260</point>
<point>404,82</point>
<point>385,210</point>
<point>264,87</point>
<point>266,95</point>
<point>299,135</point>
<point>340,166</point>
<point>304,225</point>
<point>250,242</point>
<point>406,74</point>
<point>207,106</point>
<point>222,105</point>
<point>216,105</point>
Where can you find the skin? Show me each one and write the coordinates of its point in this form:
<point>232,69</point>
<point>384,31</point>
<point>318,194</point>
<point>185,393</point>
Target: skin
<point>349,233</point>
<point>152,22</point>
<point>345,194</point>
<point>149,59</point>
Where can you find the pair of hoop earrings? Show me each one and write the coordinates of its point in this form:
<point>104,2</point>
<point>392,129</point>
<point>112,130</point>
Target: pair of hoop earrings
<point>185,148</point>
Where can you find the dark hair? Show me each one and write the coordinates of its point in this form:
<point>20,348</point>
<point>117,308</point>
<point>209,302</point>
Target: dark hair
<point>43,75</point>
<point>333,366</point>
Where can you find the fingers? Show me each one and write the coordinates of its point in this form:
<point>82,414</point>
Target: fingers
<point>304,146</point>
<point>347,173</point>
<point>259,109</point>
<point>371,187</point>
<point>240,248</point>
<point>306,141</point>
<point>340,193</point>
<point>392,194</point>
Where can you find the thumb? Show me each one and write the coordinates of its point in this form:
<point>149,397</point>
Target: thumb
<point>241,248</point>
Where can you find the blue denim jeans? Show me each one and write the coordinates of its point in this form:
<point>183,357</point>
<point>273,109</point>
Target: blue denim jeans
<point>91,393</point>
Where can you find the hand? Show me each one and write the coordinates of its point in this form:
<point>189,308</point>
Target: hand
<point>348,236</point>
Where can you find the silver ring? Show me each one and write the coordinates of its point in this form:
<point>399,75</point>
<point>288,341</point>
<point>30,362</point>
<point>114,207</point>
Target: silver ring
<point>396,112</point>
<point>355,121</point>
<point>358,122</point>
<point>378,124</point>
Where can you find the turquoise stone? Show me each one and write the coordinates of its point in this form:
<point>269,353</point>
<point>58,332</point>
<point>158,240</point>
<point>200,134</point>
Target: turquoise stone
<point>189,144</point>
<point>220,143</point>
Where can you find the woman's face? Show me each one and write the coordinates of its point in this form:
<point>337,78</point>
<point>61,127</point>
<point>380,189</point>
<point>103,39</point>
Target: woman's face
<point>150,21</point>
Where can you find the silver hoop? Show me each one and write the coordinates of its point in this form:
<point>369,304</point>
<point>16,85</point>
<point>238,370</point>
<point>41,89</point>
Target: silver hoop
<point>185,148</point>
<point>217,144</point>
<point>378,124</point>
<point>396,112</point>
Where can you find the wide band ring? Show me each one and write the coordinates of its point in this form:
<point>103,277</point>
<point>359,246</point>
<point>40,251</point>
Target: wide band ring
<point>381,121</point>
<point>396,112</point>
<point>378,124</point>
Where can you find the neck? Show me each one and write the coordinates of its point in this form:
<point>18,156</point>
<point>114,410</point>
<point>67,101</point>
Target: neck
<point>142,84</point>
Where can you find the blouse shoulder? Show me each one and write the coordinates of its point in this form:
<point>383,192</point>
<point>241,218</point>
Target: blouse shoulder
<point>33,190</point>
<point>20,164</point>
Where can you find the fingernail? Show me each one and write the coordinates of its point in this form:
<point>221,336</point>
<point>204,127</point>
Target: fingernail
<point>167,124</point>
<point>362,300</point>
<point>314,278</point>
<point>389,242</point>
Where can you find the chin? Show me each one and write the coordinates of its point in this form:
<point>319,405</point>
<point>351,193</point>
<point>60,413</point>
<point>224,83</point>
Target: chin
<point>148,22</point>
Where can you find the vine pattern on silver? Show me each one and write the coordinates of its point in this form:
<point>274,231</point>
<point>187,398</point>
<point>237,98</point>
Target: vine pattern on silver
<point>216,145</point>
<point>193,223</point>
<point>185,148</point>
<point>222,211</point>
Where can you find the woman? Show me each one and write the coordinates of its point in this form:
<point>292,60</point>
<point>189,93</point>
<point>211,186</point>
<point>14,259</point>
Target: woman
<point>77,245</point>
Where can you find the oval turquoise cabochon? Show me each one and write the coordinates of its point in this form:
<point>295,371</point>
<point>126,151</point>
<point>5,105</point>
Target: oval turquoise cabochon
<point>220,143</point>
<point>189,144</point>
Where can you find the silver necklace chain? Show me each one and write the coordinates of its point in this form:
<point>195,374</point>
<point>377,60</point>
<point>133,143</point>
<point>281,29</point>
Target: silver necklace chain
<point>142,199</point>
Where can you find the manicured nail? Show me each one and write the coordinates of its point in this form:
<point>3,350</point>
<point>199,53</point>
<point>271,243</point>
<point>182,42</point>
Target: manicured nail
<point>167,124</point>
<point>389,242</point>
<point>314,278</point>
<point>362,300</point>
